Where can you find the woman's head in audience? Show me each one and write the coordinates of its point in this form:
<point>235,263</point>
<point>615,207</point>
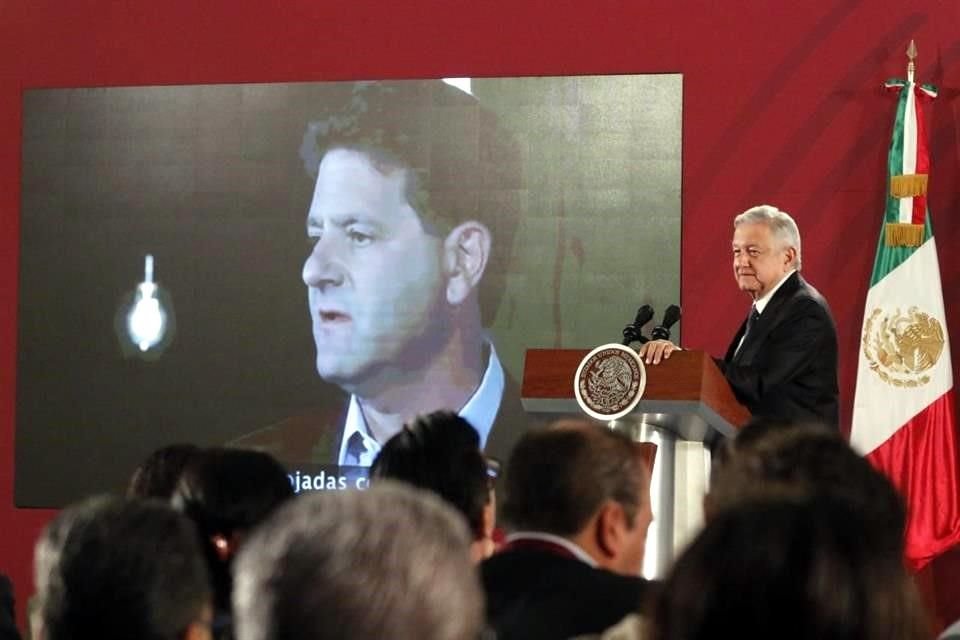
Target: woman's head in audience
<point>440,452</point>
<point>157,476</point>
<point>787,568</point>
<point>227,492</point>
<point>803,460</point>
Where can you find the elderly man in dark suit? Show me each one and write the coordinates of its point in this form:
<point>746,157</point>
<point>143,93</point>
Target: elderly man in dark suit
<point>578,507</point>
<point>782,363</point>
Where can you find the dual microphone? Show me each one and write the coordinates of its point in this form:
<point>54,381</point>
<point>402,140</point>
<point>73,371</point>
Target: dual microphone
<point>633,332</point>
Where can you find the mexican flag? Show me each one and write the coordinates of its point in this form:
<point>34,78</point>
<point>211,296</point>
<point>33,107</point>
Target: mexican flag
<point>904,420</point>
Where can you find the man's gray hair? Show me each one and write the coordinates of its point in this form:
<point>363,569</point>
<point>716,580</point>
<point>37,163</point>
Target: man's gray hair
<point>779,222</point>
<point>389,562</point>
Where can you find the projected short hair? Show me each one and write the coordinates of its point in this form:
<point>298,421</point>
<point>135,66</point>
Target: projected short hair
<point>389,562</point>
<point>440,452</point>
<point>459,163</point>
<point>558,477</point>
<point>114,569</point>
<point>781,225</point>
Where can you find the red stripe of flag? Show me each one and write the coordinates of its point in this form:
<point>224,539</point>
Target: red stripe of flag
<point>921,460</point>
<point>923,155</point>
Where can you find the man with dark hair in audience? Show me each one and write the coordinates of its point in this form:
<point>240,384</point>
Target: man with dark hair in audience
<point>804,539</point>
<point>226,493</point>
<point>157,476</point>
<point>578,504</point>
<point>440,452</point>
<point>801,459</point>
<point>414,204</point>
<point>115,569</point>
<point>792,568</point>
<point>389,562</point>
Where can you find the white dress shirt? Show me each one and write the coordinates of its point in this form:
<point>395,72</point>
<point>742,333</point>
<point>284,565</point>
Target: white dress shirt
<point>480,411</point>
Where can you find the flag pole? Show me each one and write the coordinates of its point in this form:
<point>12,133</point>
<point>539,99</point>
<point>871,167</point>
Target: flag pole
<point>911,56</point>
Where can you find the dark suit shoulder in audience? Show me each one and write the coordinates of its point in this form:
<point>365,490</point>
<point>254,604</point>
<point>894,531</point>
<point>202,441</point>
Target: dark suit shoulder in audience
<point>535,595</point>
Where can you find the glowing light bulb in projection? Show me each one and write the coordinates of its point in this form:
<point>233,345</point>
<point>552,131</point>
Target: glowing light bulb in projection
<point>147,319</point>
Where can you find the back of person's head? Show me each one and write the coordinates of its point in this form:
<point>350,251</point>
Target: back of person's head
<point>795,569</point>
<point>389,562</point>
<point>227,492</point>
<point>557,478</point>
<point>231,490</point>
<point>109,568</point>
<point>440,452</point>
<point>157,476</point>
<point>799,459</point>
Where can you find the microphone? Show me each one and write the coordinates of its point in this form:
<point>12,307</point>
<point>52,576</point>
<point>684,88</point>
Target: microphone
<point>631,332</point>
<point>670,317</point>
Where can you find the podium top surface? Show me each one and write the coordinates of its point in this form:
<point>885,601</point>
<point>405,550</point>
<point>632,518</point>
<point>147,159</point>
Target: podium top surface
<point>685,394</point>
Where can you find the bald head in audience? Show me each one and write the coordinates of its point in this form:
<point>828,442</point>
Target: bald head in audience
<point>389,562</point>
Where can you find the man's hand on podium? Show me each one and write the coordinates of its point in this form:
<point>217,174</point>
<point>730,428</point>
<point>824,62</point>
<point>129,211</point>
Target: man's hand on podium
<point>656,350</point>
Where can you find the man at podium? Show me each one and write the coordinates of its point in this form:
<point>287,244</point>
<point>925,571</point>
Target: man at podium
<point>782,362</point>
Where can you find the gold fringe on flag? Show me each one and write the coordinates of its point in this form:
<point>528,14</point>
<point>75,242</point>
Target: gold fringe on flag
<point>908,186</point>
<point>904,234</point>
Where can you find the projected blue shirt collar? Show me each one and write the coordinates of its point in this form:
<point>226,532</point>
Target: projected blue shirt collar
<point>480,411</point>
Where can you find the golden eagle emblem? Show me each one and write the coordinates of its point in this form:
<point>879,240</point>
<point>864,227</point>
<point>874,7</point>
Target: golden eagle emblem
<point>900,347</point>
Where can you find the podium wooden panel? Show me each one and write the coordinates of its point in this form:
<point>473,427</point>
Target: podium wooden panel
<point>686,394</point>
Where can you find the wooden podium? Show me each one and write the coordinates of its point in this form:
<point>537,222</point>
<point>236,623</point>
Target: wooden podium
<point>686,399</point>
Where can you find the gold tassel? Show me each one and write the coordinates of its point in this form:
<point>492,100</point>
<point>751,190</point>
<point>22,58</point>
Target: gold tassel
<point>904,235</point>
<point>908,186</point>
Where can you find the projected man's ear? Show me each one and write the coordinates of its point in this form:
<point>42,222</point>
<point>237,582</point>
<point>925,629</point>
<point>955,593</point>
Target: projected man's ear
<point>466,252</point>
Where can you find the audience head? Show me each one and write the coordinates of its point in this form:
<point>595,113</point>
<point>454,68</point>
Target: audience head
<point>109,568</point>
<point>157,476</point>
<point>584,482</point>
<point>226,492</point>
<point>389,562</point>
<point>440,452</point>
<point>796,459</point>
<point>787,568</point>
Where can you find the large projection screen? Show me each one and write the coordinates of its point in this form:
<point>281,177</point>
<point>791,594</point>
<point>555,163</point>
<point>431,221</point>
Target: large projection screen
<point>578,186</point>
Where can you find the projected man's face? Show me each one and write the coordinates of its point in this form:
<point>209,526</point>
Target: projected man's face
<point>374,277</point>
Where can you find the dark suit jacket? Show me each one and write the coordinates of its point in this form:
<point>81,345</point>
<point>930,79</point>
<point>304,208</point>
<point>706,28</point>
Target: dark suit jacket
<point>315,437</point>
<point>538,595</point>
<point>787,366</point>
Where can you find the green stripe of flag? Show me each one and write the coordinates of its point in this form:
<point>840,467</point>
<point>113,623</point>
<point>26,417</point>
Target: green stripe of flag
<point>889,258</point>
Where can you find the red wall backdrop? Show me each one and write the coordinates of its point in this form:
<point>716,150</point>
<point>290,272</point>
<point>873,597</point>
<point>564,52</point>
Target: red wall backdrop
<point>781,104</point>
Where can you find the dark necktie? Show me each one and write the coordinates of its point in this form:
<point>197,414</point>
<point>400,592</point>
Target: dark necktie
<point>751,320</point>
<point>355,448</point>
